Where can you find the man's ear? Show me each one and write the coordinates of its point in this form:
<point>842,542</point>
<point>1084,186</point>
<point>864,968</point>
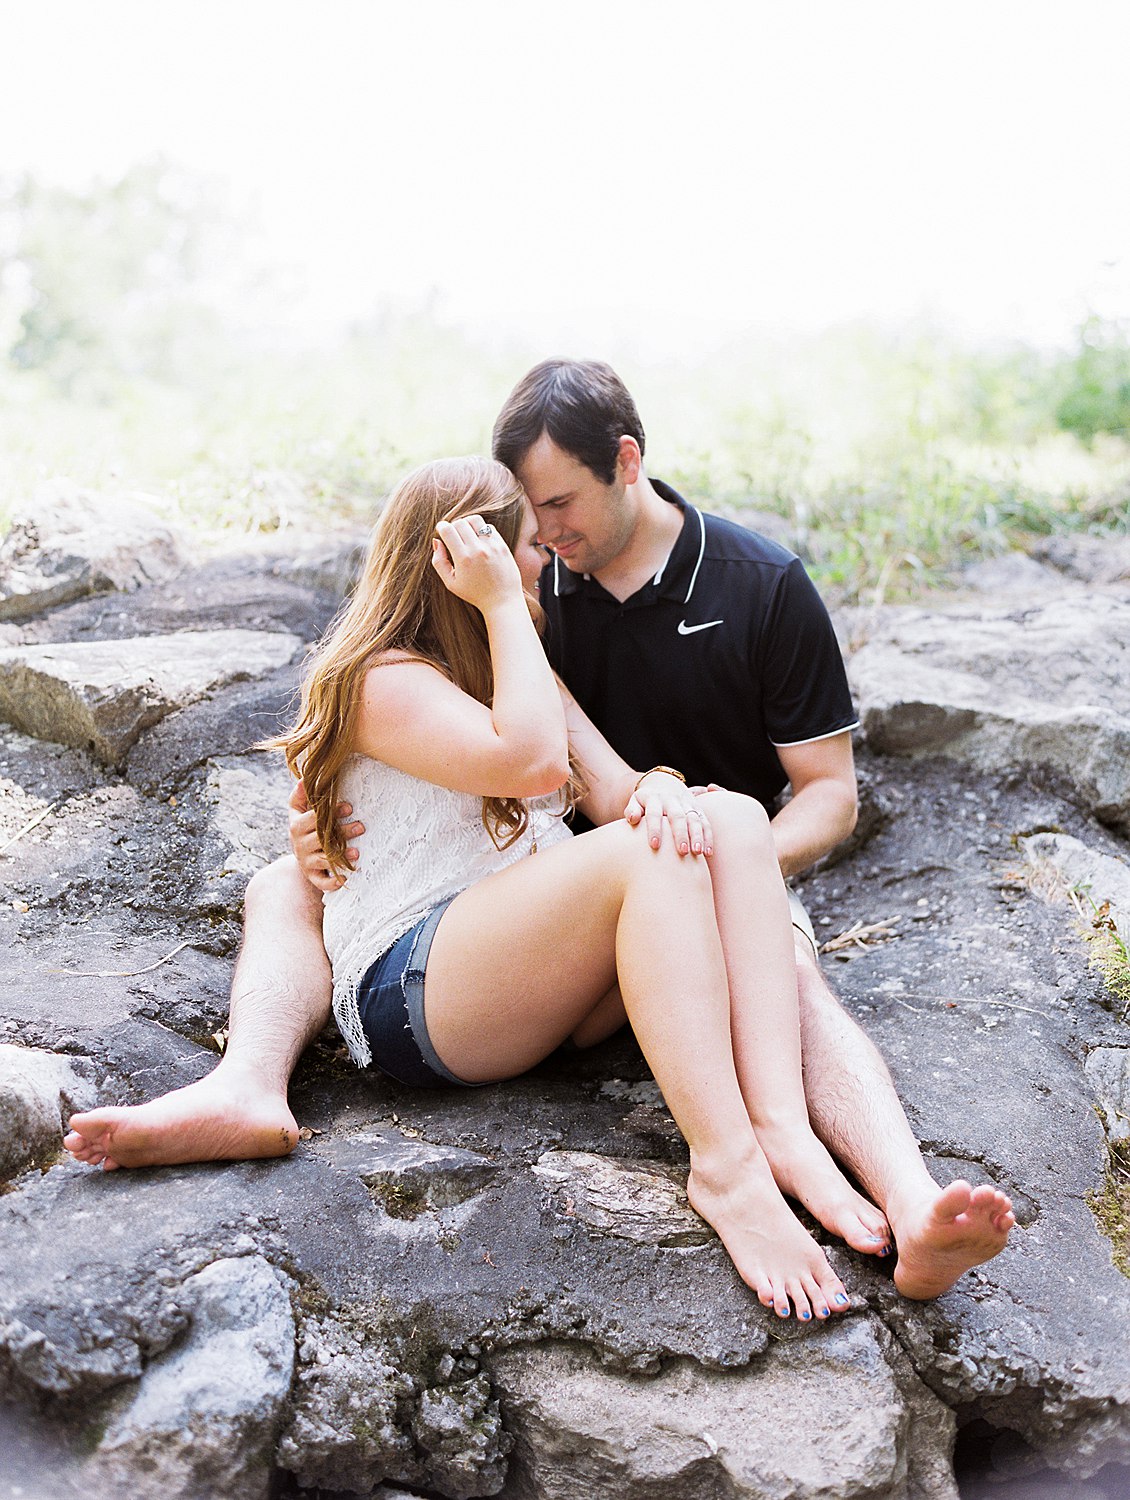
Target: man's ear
<point>629,460</point>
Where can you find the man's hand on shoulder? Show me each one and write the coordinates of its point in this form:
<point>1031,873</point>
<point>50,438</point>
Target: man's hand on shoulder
<point>304,843</point>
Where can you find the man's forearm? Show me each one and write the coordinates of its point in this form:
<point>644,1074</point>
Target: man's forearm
<point>818,818</point>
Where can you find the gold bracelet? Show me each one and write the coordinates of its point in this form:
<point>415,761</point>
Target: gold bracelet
<point>667,771</point>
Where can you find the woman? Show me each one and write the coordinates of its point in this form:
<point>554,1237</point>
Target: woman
<point>432,710</point>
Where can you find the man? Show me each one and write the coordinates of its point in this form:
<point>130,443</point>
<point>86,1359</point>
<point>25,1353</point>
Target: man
<point>690,642</point>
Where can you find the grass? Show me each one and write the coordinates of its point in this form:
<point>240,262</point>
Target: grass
<point>1111,1206</point>
<point>1107,953</point>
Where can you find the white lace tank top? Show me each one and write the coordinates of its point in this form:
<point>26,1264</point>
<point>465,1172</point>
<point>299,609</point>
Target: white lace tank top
<point>422,843</point>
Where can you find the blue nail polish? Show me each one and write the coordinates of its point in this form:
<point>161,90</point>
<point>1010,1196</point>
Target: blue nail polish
<point>804,1317</point>
<point>841,1300</point>
<point>782,1312</point>
<point>825,1312</point>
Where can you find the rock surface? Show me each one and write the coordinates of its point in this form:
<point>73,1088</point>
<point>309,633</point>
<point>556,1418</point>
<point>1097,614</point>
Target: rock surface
<point>102,695</point>
<point>72,542</point>
<point>38,1093</point>
<point>502,1290</point>
<point>816,1418</point>
<point>640,1201</point>
<point>1043,686</point>
<point>205,1415</point>
<point>1099,879</point>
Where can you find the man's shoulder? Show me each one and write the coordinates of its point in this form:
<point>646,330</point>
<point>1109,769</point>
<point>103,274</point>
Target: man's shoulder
<point>730,541</point>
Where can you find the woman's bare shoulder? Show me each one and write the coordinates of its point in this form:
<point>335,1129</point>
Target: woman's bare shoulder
<point>415,678</point>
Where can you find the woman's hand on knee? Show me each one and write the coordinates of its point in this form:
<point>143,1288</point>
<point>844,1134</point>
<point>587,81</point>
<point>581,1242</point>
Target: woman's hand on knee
<point>664,797</point>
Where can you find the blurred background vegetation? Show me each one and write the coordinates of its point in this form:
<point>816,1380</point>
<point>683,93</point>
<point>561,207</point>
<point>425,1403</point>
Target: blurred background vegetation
<point>138,353</point>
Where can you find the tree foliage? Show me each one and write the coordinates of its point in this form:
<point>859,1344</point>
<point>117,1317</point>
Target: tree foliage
<point>105,282</point>
<point>1095,394</point>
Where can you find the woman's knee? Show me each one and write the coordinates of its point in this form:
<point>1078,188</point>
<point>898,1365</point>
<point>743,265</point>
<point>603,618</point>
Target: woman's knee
<point>735,816</point>
<point>630,848</point>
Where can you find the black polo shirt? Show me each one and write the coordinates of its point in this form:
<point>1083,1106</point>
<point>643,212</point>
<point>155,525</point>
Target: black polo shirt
<point>725,654</point>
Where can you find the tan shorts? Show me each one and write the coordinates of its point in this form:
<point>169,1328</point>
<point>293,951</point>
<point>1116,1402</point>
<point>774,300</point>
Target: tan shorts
<point>803,922</point>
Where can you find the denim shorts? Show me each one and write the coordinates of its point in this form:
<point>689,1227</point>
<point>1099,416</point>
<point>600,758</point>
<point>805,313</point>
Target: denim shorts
<point>390,999</point>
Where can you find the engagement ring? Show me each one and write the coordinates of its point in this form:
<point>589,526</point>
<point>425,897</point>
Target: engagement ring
<point>484,530</point>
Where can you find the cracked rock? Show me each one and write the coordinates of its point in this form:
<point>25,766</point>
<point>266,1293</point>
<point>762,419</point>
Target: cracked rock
<point>640,1201</point>
<point>73,542</point>
<point>822,1416</point>
<point>1047,686</point>
<point>38,1091</point>
<point>1098,877</point>
<point>101,695</point>
<point>249,796</point>
<point>348,1427</point>
<point>360,1418</point>
<point>1108,1069</point>
<point>206,1413</point>
<point>408,1176</point>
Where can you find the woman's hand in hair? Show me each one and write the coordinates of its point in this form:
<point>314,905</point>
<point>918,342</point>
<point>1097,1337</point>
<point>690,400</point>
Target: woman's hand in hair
<point>477,568</point>
<point>304,843</point>
<point>660,796</point>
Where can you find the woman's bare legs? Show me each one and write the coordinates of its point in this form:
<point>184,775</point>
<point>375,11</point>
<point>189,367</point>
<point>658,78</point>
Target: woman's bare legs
<point>522,958</point>
<point>752,912</point>
<point>280,1001</point>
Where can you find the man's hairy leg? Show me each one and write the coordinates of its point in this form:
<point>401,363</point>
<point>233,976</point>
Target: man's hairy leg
<point>857,1114</point>
<point>280,1001</point>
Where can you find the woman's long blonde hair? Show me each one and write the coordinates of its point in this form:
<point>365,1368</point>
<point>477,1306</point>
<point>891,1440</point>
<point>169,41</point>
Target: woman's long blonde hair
<point>401,604</point>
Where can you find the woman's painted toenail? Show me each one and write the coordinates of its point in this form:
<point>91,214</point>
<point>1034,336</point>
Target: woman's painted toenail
<point>841,1300</point>
<point>804,1317</point>
<point>825,1312</point>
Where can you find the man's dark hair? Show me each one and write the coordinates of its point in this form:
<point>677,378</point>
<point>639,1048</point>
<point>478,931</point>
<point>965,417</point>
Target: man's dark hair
<point>582,404</point>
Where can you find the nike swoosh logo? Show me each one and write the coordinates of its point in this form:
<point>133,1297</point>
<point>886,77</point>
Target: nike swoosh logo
<point>685,629</point>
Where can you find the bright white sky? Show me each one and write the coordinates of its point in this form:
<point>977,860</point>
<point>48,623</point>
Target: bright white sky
<point>643,171</point>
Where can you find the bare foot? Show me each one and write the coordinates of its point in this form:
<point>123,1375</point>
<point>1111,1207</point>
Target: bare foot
<point>223,1117</point>
<point>942,1237</point>
<point>772,1251</point>
<point>804,1170</point>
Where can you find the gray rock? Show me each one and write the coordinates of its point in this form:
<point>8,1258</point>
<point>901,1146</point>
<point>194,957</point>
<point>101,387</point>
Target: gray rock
<point>359,1418</point>
<point>407,1177</point>
<point>1092,559</point>
<point>1108,1070</point>
<point>73,542</point>
<point>821,1417</point>
<point>459,1427</point>
<point>101,695</point>
<point>38,1092</point>
<point>206,1414</point>
<point>1098,878</point>
<point>228,722</point>
<point>1048,687</point>
<point>249,795</point>
<point>327,568</point>
<point>1013,573</point>
<point>640,1201</point>
<point>348,1426</point>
